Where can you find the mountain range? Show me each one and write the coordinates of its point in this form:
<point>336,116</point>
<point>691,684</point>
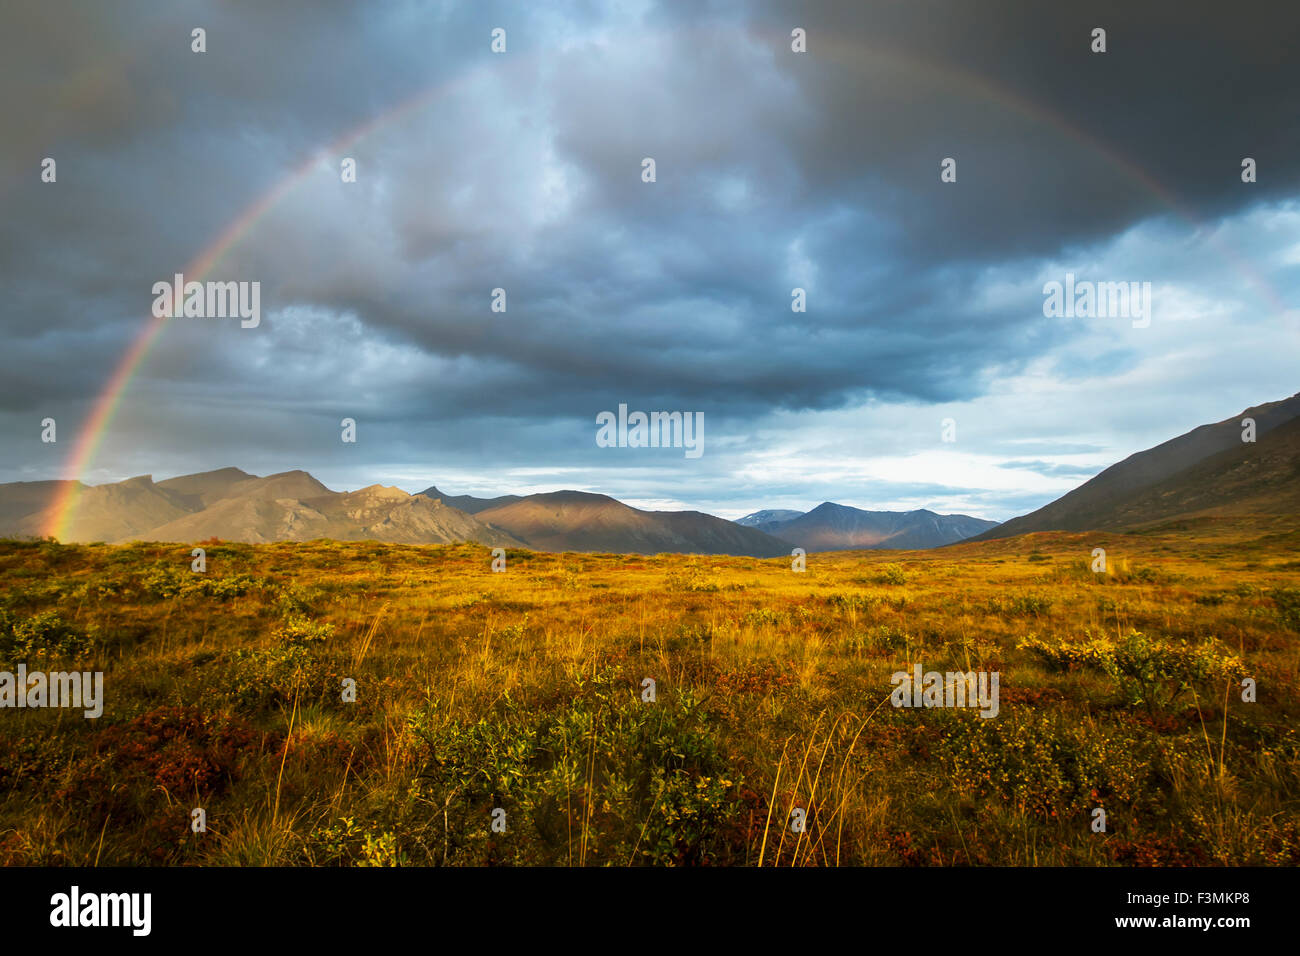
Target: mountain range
<point>233,505</point>
<point>1209,471</point>
<point>832,527</point>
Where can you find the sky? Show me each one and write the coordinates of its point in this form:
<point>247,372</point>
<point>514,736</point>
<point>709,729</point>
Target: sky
<point>522,170</point>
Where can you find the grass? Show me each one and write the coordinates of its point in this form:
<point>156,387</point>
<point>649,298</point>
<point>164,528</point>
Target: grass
<point>523,691</point>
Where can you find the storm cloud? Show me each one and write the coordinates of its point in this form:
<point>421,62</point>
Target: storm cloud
<point>522,171</point>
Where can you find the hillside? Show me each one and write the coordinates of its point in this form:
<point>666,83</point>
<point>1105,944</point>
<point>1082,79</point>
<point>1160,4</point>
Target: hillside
<point>1251,479</point>
<point>1208,469</point>
<point>578,521</point>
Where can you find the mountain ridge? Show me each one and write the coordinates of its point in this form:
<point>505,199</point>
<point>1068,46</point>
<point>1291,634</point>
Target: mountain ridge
<point>835,527</point>
<point>583,521</point>
<point>230,504</point>
<point>468,503</point>
<point>1209,471</point>
<point>1146,486</point>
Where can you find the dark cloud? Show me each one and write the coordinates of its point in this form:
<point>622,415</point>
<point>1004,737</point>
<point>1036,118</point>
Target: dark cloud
<point>775,170</point>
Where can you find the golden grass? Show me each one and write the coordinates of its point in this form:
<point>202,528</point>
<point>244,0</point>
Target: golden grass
<point>521,690</point>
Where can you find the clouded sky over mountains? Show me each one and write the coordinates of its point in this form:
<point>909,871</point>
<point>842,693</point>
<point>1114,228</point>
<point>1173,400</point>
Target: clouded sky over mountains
<point>522,170</point>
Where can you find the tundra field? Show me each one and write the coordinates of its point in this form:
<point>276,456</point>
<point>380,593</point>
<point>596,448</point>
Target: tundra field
<point>523,691</point>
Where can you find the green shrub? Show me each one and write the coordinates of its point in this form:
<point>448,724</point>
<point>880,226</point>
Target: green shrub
<point>298,630</point>
<point>1034,604</point>
<point>1045,764</point>
<point>693,579</point>
<point>169,581</point>
<point>759,617</point>
<point>42,636</point>
<point>1144,670</point>
<point>647,778</point>
<point>1287,601</point>
<point>852,602</point>
<point>892,574</point>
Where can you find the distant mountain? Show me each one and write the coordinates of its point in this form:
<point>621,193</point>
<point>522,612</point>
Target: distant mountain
<point>1208,470</point>
<point>235,506</point>
<point>287,484</point>
<point>832,527</point>
<point>468,503</point>
<point>578,521</point>
<point>768,516</point>
<point>25,505</point>
<point>207,486</point>
<point>375,513</point>
<point>106,512</point>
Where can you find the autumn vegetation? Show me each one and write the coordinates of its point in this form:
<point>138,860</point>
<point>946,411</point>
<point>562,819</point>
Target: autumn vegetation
<point>523,691</point>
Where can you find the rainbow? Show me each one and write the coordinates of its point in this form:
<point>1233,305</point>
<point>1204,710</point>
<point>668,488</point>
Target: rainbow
<point>852,55</point>
<point>64,506</point>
